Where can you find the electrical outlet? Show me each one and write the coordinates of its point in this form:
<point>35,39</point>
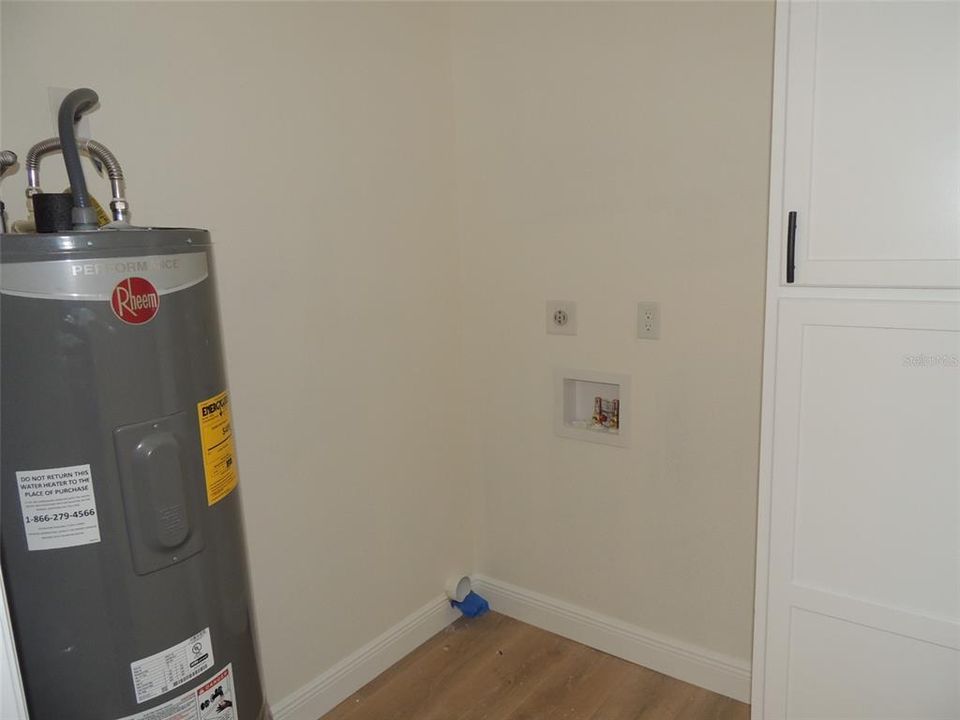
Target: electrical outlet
<point>648,321</point>
<point>561,317</point>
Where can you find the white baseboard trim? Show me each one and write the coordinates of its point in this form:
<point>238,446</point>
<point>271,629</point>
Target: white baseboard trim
<point>338,683</point>
<point>720,673</point>
<point>690,663</point>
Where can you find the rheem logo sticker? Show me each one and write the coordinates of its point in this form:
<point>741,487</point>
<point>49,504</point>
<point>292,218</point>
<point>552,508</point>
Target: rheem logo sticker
<point>135,300</point>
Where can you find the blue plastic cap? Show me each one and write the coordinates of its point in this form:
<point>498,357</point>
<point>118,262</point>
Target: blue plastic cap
<point>472,606</point>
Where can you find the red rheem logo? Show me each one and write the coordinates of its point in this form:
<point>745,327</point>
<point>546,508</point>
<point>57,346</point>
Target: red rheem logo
<point>135,300</point>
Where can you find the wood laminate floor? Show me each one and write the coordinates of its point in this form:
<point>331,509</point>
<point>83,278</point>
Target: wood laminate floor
<point>496,668</point>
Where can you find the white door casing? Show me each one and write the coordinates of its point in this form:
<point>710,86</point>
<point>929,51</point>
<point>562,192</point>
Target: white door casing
<point>13,705</point>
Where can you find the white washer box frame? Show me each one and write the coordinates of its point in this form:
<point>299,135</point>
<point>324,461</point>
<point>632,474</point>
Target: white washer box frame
<point>564,399</point>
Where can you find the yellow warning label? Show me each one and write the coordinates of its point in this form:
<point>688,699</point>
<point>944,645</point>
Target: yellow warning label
<point>216,439</point>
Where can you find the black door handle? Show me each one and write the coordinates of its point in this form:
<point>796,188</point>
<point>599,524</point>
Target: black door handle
<point>791,244</point>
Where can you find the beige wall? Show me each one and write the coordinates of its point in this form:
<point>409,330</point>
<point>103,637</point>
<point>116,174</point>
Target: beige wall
<point>395,191</point>
<point>315,142</point>
<point>611,153</point>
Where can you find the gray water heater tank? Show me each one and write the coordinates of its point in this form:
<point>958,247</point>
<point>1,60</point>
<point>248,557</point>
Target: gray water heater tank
<point>122,540</point>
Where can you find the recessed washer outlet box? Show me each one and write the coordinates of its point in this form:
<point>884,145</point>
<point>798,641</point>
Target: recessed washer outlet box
<point>575,395</point>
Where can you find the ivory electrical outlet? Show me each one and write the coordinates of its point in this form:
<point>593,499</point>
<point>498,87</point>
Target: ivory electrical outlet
<point>648,321</point>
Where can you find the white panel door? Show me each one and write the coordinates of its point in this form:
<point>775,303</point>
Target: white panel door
<point>872,143</point>
<point>863,594</point>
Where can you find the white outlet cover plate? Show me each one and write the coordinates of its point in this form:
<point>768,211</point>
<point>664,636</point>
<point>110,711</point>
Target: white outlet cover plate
<point>648,320</point>
<point>566,310</point>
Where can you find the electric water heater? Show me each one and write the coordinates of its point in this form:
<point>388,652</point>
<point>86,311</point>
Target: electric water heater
<point>122,542</point>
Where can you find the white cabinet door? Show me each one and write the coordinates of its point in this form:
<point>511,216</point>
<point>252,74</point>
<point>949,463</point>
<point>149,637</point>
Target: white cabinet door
<point>863,577</point>
<point>872,142</point>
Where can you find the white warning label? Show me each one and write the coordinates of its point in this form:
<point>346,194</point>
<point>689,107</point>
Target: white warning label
<point>216,698</point>
<point>58,507</point>
<point>213,700</point>
<point>168,669</point>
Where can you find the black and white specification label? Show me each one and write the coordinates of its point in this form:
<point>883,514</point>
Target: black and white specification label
<point>168,669</point>
<point>58,507</point>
